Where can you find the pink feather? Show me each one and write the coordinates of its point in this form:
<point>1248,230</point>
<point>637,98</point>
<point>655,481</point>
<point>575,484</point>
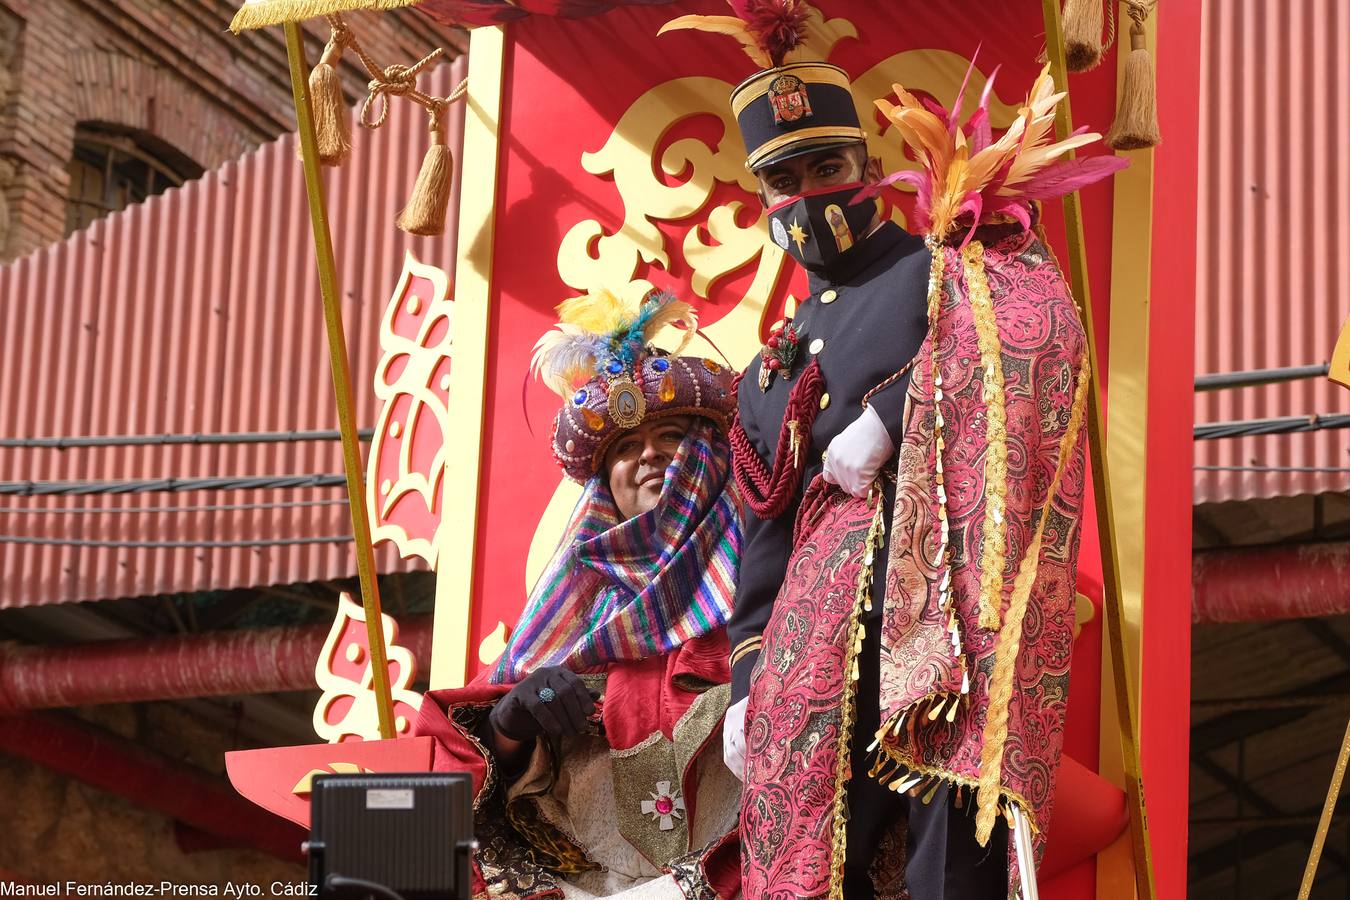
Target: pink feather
<point>978,126</point>
<point>954,117</point>
<point>934,107</point>
<point>973,204</point>
<point>1069,175</point>
<point>779,26</point>
<point>981,134</point>
<point>1013,207</point>
<point>908,176</point>
<point>988,88</point>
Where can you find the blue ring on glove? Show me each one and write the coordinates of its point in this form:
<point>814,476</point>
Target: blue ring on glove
<point>547,695</point>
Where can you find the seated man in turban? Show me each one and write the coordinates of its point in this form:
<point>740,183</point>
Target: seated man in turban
<point>593,741</point>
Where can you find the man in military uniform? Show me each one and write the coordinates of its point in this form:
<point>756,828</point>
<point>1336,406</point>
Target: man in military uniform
<point>827,397</point>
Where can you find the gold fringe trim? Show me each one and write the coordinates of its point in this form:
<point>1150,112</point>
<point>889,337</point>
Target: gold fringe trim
<point>1010,638</point>
<point>843,771</point>
<point>906,774</point>
<point>993,545</point>
<point>936,273</point>
<point>926,708</point>
<point>262,13</point>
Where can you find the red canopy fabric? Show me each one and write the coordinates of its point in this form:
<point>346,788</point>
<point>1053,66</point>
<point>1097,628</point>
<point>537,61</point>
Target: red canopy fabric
<point>493,12</point>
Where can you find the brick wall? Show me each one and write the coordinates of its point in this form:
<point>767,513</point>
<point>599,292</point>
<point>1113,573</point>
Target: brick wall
<point>169,68</point>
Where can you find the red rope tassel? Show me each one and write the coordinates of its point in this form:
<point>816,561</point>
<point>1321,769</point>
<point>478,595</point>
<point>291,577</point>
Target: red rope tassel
<point>768,492</point>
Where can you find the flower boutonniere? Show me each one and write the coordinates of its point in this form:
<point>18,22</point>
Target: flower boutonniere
<point>778,353</point>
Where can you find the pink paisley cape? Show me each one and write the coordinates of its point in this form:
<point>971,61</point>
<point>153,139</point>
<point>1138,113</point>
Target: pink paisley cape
<point>1007,731</point>
<point>983,711</point>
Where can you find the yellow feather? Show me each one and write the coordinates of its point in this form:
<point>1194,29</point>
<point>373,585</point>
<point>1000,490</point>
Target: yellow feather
<point>1026,148</point>
<point>599,313</point>
<point>1042,87</point>
<point>677,312</point>
<point>985,164</point>
<point>1029,162</point>
<point>905,129</point>
<point>931,133</point>
<point>947,201</point>
<point>728,25</point>
<point>1047,105</point>
<point>907,100</point>
<point>1038,128</point>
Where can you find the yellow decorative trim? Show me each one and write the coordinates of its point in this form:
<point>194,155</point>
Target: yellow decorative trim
<point>1127,455</point>
<point>862,600</point>
<point>361,718</point>
<point>746,647</point>
<point>468,387</point>
<point>262,13</point>
<point>1010,638</point>
<point>810,73</point>
<point>306,783</point>
<point>802,135</point>
<point>920,708</point>
<point>1324,821</point>
<point>342,377</point>
<point>1340,358</point>
<point>936,275</point>
<point>903,762</point>
<point>418,361</point>
<point>994,543</point>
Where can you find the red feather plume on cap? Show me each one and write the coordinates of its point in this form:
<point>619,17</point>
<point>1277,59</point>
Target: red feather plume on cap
<point>768,29</point>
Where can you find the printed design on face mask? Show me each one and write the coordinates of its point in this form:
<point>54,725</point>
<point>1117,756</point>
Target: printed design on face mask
<point>780,235</point>
<point>787,96</point>
<point>843,238</point>
<point>824,224</point>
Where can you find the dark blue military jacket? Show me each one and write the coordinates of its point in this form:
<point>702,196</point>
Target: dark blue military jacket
<point>863,323</point>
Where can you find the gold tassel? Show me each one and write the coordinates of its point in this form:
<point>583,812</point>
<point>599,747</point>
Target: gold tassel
<point>332,119</point>
<point>425,213</point>
<point>1136,124</point>
<point>1083,23</point>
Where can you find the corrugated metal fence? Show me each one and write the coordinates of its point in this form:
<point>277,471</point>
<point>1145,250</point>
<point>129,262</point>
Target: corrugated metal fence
<point>198,312</point>
<point>1274,237</point>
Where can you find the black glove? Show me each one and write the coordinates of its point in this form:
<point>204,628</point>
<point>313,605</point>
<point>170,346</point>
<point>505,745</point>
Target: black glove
<point>524,714</point>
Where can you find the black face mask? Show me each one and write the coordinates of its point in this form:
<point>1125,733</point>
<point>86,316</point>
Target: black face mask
<point>818,227</point>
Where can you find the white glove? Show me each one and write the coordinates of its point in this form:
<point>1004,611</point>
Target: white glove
<point>733,738</point>
<point>854,457</point>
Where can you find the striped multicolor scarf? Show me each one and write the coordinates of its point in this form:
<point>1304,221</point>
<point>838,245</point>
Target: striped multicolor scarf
<point>642,587</point>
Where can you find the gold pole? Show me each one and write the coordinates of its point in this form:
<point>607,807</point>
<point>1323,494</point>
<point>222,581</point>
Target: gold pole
<point>1333,793</point>
<point>342,380</point>
<point>1101,487</point>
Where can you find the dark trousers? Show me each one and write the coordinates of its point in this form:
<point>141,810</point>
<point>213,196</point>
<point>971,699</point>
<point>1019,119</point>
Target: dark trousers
<point>944,861</point>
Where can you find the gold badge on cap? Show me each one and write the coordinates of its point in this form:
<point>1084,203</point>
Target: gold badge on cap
<point>787,96</point>
<point>627,406</point>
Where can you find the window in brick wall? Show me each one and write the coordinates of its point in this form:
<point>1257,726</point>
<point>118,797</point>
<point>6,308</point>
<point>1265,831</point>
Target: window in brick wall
<point>113,168</point>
